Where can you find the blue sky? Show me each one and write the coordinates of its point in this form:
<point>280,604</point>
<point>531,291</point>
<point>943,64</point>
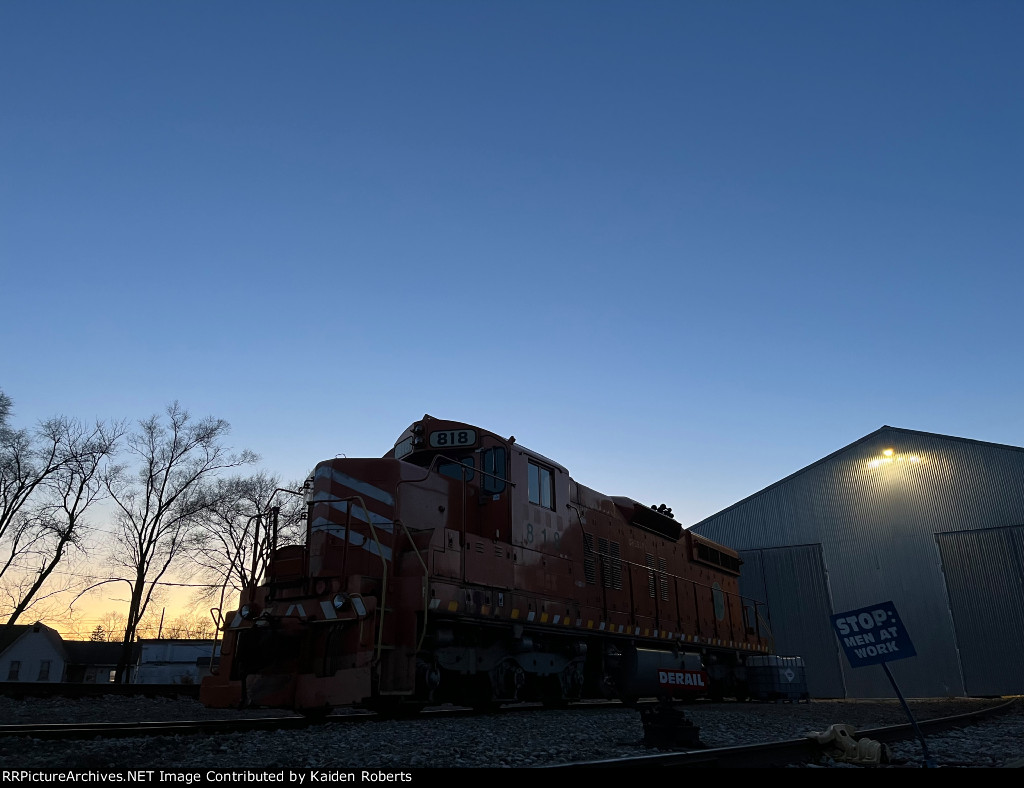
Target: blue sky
<point>683,248</point>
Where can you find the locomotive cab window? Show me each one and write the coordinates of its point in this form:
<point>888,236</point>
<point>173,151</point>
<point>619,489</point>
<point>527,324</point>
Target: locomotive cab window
<point>542,485</point>
<point>493,471</point>
<point>454,470</point>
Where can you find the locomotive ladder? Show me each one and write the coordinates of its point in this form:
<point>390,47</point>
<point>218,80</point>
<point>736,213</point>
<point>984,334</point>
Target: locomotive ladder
<point>379,648</point>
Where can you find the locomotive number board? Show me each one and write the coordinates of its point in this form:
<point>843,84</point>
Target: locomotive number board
<point>447,439</point>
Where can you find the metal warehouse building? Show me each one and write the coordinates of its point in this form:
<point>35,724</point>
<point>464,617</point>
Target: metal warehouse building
<point>932,523</point>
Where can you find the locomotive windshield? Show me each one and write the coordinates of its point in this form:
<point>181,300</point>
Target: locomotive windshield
<point>404,448</point>
<point>453,450</point>
<point>461,468</point>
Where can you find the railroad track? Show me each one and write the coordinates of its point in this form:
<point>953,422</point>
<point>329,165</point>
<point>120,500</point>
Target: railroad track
<point>89,730</point>
<point>43,689</point>
<point>110,742</point>
<point>792,751</point>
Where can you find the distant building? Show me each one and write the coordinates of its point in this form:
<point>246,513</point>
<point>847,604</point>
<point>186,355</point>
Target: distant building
<point>36,652</point>
<point>932,523</point>
<point>31,652</point>
<point>90,662</point>
<point>173,661</point>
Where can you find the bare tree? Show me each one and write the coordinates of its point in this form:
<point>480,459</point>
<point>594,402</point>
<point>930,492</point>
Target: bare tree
<point>49,478</point>
<point>159,505</point>
<point>250,516</point>
<point>190,626</point>
<point>58,522</point>
<point>5,411</point>
<point>113,624</point>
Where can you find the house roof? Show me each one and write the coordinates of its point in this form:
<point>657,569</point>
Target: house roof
<point>869,436</point>
<point>88,652</point>
<point>11,633</point>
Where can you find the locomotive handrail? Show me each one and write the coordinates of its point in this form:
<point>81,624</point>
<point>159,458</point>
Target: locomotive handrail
<point>583,530</point>
<point>767,629</point>
<point>694,584</point>
<point>426,571</point>
<point>237,562</point>
<point>428,470</point>
<point>431,469</point>
<point>384,574</point>
<point>426,574</point>
<point>398,503</point>
<point>218,619</point>
<point>453,461</point>
<point>379,648</point>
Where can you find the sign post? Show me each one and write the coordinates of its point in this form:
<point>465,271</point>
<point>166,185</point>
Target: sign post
<point>875,635</point>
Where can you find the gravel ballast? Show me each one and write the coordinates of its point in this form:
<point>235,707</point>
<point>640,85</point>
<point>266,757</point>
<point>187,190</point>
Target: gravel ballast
<point>521,740</point>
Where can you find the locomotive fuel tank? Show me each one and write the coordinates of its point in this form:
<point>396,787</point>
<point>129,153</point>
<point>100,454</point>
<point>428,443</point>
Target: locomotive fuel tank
<point>663,674</point>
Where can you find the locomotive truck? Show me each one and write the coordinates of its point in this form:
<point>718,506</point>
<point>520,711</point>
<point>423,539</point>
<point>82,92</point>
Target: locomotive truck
<point>464,568</point>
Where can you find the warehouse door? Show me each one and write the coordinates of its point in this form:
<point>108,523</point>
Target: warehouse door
<point>983,571</point>
<point>794,583</point>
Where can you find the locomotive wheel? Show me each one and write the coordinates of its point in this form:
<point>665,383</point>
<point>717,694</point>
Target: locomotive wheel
<point>507,680</point>
<point>552,696</point>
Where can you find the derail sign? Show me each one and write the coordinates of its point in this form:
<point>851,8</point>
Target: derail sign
<point>683,679</point>
<point>873,634</point>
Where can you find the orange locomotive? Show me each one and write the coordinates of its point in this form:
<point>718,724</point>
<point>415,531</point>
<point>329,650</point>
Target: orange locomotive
<point>462,567</point>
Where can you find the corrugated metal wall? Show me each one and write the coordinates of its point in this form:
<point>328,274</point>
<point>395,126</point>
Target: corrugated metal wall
<point>792,580</point>
<point>984,571</point>
<point>875,516</point>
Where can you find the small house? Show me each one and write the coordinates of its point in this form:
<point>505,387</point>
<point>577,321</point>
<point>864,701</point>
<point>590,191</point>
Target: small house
<point>31,652</point>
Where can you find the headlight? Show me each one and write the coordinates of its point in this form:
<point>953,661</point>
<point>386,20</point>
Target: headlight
<point>247,611</point>
<point>339,601</point>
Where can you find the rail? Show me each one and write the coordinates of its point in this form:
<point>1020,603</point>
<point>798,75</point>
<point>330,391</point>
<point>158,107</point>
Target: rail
<point>68,689</point>
<point>787,752</point>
